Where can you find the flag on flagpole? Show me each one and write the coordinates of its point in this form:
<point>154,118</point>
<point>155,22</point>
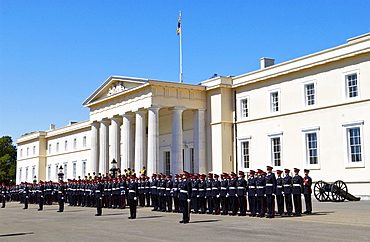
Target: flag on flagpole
<point>178,32</point>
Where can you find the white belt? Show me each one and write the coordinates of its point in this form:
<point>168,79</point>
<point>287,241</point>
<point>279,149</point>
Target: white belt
<point>260,187</point>
<point>168,189</point>
<point>201,190</point>
<point>296,185</point>
<point>223,188</point>
<point>194,189</point>
<point>232,187</point>
<point>279,186</point>
<point>183,191</point>
<point>286,185</point>
<point>153,187</point>
<point>131,190</point>
<point>162,188</point>
<point>241,188</point>
<point>97,191</point>
<point>214,188</point>
<point>208,189</point>
<point>253,187</point>
<point>269,185</point>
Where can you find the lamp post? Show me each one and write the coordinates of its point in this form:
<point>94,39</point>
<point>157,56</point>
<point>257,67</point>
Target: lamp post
<point>114,168</point>
<point>60,174</point>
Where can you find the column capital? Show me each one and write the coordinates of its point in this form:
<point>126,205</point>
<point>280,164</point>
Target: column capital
<point>95,123</point>
<point>177,108</point>
<point>200,109</point>
<point>116,118</point>
<point>128,114</point>
<point>105,121</point>
<point>155,107</point>
<point>140,110</point>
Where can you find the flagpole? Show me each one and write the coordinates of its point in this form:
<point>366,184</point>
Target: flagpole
<point>181,75</point>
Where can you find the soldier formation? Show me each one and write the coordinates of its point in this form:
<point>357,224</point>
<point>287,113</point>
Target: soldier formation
<point>225,194</point>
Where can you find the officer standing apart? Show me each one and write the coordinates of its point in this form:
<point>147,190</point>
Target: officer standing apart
<point>26,194</point>
<point>61,195</point>
<point>40,195</point>
<point>98,190</point>
<point>307,183</point>
<point>185,198</point>
<point>133,192</point>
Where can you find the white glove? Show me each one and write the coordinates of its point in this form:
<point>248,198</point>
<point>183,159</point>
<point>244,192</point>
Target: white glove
<point>197,195</point>
<point>264,195</point>
<point>135,198</point>
<point>236,195</point>
<point>273,194</point>
<point>26,196</point>
<point>205,196</point>
<point>217,196</point>
<point>62,198</point>
<point>227,194</point>
<point>188,200</point>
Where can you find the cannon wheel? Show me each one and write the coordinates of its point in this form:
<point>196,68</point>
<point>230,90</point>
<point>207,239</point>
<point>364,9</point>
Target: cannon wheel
<point>339,191</point>
<point>320,191</point>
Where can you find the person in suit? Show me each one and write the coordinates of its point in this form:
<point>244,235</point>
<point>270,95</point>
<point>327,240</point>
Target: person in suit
<point>307,183</point>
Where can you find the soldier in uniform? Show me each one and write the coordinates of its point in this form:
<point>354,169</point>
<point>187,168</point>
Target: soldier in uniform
<point>185,198</point>
<point>161,191</point>
<point>252,193</point>
<point>194,194</point>
<point>287,181</point>
<point>40,195</point>
<point>270,191</point>
<point>168,193</point>
<point>241,193</point>
<point>223,192</point>
<point>115,193</point>
<point>132,194</point>
<point>232,194</point>
<point>3,193</point>
<point>154,192</point>
<point>26,195</point>
<point>123,188</point>
<point>147,191</point>
<point>202,194</point>
<point>175,188</point>
<point>279,193</point>
<point>209,197</point>
<point>297,190</point>
<point>307,183</point>
<point>99,193</point>
<point>216,185</point>
<point>260,192</point>
<point>61,195</point>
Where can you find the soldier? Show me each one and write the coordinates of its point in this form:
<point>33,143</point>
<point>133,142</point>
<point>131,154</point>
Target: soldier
<point>3,192</point>
<point>26,195</point>
<point>194,194</point>
<point>123,188</point>
<point>147,191</point>
<point>61,196</point>
<point>216,185</point>
<point>270,192</point>
<point>260,192</point>
<point>241,193</point>
<point>202,194</point>
<point>115,193</point>
<point>185,198</point>
<point>232,194</point>
<point>297,190</point>
<point>279,193</point>
<point>252,193</point>
<point>168,193</point>
<point>288,192</point>
<point>161,188</point>
<point>175,194</point>
<point>307,183</point>
<point>209,198</point>
<point>99,193</point>
<point>132,193</point>
<point>40,195</point>
<point>223,192</point>
<point>154,192</point>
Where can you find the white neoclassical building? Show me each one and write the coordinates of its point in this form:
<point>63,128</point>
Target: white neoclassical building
<point>311,112</point>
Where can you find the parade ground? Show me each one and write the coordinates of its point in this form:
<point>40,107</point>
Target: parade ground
<point>345,221</point>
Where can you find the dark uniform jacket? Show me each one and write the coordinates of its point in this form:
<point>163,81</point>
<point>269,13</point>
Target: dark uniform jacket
<point>99,190</point>
<point>216,184</point>
<point>241,187</point>
<point>260,186</point>
<point>252,186</point>
<point>224,188</point>
<point>169,185</point>
<point>307,183</point>
<point>185,190</point>
<point>194,188</point>
<point>153,187</point>
<point>279,186</point>
<point>202,189</point>
<point>132,190</point>
<point>287,184</point>
<point>297,185</point>
<point>209,188</point>
<point>270,184</point>
<point>232,187</point>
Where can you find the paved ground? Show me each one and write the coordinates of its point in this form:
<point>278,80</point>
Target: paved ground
<point>347,221</point>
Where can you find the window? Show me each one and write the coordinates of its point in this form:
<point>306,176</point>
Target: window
<point>66,145</point>
<point>27,173</point>
<point>74,169</point>
<point>33,171</point>
<point>275,143</point>
<point>49,148</point>
<point>65,170</point>
<point>74,143</point>
<point>311,147</point>
<point>244,107</point>
<point>20,174</point>
<point>56,172</point>
<point>21,153</point>
<point>245,154</point>
<point>84,142</point>
<point>28,149</point>
<point>351,79</point>
<point>34,150</point>
<point>49,172</point>
<point>354,144</point>
<point>274,101</point>
<point>84,168</point>
<point>57,147</point>
<point>191,160</point>
<point>309,89</point>
<point>167,162</point>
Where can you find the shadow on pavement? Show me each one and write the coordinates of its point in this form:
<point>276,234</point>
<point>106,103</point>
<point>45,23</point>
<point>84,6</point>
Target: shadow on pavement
<point>205,221</point>
<point>17,234</point>
<point>150,217</point>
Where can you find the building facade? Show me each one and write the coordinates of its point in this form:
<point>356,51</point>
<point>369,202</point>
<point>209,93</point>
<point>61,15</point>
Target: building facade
<point>311,112</point>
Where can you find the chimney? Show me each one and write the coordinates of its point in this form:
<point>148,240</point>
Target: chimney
<point>266,62</point>
<point>52,126</point>
<point>72,122</point>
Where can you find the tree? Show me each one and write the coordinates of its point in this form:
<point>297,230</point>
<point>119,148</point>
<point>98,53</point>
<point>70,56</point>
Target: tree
<point>8,160</point>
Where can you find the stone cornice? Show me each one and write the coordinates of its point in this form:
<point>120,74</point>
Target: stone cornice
<point>30,137</point>
<point>69,128</point>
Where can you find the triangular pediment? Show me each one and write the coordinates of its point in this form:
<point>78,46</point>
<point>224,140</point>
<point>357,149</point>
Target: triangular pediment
<point>114,85</point>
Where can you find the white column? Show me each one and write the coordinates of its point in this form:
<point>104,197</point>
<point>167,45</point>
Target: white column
<point>114,140</point>
<point>126,139</point>
<point>94,163</point>
<point>153,139</point>
<point>199,136</point>
<point>177,142</point>
<point>139,140</point>
<point>104,147</point>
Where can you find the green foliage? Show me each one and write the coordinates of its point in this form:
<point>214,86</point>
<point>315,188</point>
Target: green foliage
<point>8,159</point>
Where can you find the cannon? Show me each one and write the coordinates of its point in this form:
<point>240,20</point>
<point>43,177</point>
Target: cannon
<point>336,192</point>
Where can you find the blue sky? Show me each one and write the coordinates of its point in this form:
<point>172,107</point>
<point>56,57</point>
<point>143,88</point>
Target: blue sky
<point>54,54</point>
